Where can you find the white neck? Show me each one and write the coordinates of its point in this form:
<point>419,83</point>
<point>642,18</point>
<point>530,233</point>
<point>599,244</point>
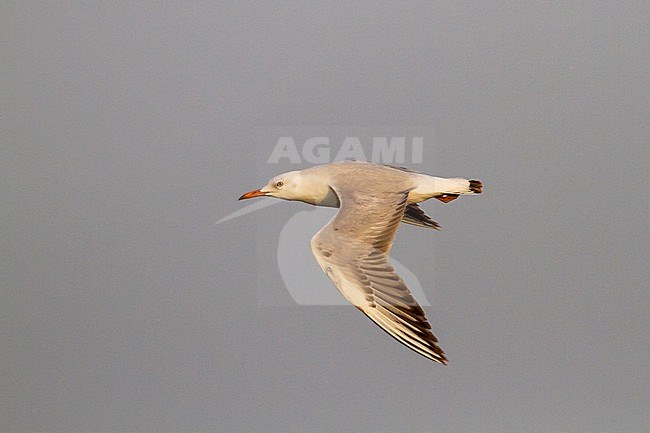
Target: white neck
<point>320,193</point>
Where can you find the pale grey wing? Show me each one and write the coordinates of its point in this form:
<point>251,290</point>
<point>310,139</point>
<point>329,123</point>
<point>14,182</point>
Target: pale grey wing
<point>366,219</point>
<point>353,250</point>
<point>414,215</point>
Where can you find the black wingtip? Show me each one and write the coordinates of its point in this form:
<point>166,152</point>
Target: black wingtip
<point>414,215</point>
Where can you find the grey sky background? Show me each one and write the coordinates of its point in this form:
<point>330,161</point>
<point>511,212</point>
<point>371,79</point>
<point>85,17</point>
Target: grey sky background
<point>129,128</point>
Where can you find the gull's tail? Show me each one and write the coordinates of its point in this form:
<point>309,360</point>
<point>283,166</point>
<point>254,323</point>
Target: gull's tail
<point>444,189</point>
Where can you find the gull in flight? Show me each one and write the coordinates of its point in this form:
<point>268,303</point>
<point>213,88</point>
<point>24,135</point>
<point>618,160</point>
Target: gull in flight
<point>352,249</point>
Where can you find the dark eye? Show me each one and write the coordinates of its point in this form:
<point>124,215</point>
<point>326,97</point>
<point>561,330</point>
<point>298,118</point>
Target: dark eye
<point>279,184</point>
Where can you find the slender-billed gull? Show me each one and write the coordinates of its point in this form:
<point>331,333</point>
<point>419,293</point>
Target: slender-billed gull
<point>353,247</point>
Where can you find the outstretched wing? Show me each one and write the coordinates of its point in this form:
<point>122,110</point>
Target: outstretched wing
<point>353,248</point>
